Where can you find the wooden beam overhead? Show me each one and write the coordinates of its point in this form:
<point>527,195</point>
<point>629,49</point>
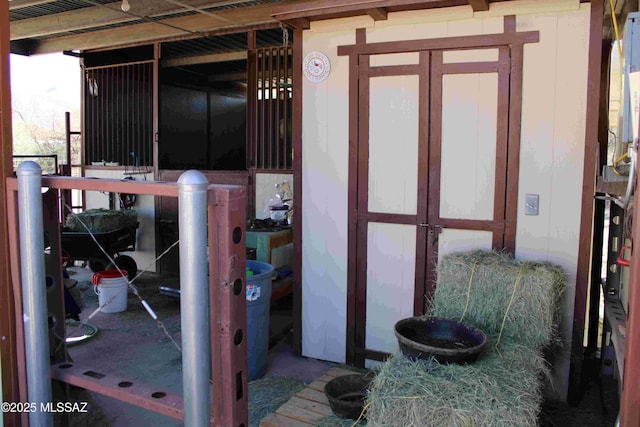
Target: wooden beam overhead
<point>479,5</point>
<point>98,16</point>
<point>316,9</point>
<point>242,18</point>
<point>21,4</point>
<point>204,59</point>
<point>299,23</point>
<point>378,13</point>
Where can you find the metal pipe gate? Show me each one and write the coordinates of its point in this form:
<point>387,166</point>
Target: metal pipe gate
<point>213,332</point>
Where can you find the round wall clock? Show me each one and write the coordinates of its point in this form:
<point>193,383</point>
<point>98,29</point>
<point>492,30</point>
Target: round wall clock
<point>316,66</point>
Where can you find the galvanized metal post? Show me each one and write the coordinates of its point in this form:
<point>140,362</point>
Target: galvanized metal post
<point>34,294</point>
<point>194,299</point>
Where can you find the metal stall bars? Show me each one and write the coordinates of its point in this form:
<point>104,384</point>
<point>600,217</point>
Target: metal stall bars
<point>225,223</point>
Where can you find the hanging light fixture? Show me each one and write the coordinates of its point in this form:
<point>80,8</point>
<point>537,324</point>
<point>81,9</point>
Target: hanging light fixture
<point>125,6</point>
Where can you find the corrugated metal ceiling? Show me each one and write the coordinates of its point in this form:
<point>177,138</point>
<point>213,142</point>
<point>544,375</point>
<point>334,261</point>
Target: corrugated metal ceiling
<point>60,6</point>
<point>52,8</point>
<point>219,44</point>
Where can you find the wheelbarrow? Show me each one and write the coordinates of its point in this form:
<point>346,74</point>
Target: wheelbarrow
<point>82,247</point>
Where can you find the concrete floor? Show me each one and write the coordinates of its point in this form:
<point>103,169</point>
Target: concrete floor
<point>130,345</point>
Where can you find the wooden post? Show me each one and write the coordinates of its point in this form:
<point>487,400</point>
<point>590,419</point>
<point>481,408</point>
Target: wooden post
<point>7,312</point>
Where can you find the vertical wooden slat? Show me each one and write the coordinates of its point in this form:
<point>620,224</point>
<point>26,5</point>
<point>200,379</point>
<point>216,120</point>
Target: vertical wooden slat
<point>285,113</point>
<point>83,123</point>
<point>277,165</point>
<point>362,206</point>
<point>263,110</point>
<point>109,116</point>
<point>10,392</point>
<point>269,160</point>
<point>252,99</point>
<point>502,133</point>
<point>100,130</point>
<point>586,220</point>
<point>513,159</point>
<point>138,100</point>
<point>435,158</point>
<point>352,205</point>
<point>420,288</point>
<point>227,276</point>
<point>101,112</point>
<point>296,117</point>
<point>147,143</point>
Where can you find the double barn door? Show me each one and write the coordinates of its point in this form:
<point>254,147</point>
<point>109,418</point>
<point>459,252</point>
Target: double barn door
<point>432,176</point>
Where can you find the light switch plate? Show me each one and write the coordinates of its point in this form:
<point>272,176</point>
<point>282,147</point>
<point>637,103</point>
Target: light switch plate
<point>531,204</point>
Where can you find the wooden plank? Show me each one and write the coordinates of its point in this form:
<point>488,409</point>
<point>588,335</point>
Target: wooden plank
<point>479,5</point>
<point>522,7</point>
<point>338,372</point>
<point>107,14</point>
<point>318,385</point>
<point>333,8</point>
<point>299,414</point>
<point>309,405</point>
<point>21,4</point>
<point>378,13</point>
<point>9,345</point>
<point>276,420</point>
<point>204,59</point>
<point>313,395</point>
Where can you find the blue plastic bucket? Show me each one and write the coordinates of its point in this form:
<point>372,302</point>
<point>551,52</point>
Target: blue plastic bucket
<point>258,293</point>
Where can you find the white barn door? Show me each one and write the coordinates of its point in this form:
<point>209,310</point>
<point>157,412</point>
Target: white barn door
<point>432,150</point>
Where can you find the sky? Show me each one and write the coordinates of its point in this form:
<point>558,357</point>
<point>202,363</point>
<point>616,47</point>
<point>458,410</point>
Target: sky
<point>56,74</point>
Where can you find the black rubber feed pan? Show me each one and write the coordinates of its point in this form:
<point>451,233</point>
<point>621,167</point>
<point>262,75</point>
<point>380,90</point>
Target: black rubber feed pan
<point>347,394</point>
<point>446,340</point>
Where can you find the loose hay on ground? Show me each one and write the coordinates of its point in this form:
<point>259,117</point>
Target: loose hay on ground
<point>267,394</point>
<point>501,388</point>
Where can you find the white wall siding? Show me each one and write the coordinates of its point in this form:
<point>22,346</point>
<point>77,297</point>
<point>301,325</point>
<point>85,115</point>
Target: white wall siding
<point>325,135</point>
<point>552,151</point>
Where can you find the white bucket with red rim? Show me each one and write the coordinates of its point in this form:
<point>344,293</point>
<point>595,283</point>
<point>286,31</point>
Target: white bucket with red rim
<point>111,288</point>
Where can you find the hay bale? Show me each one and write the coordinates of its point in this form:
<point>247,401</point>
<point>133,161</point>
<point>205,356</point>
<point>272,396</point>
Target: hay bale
<point>497,390</point>
<point>335,421</point>
<point>101,220</point>
<point>501,388</point>
<point>532,312</point>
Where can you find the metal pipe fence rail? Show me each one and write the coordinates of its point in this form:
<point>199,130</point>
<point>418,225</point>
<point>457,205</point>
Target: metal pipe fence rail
<point>218,208</point>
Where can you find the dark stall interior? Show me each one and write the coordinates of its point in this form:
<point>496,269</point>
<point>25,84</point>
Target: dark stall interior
<point>203,117</point>
<point>222,108</point>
